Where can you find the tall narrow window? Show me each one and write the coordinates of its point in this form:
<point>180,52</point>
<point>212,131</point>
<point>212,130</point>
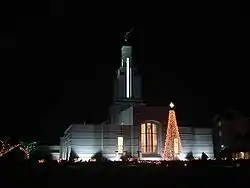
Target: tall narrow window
<point>176,145</point>
<point>120,145</point>
<point>122,63</point>
<point>127,78</point>
<point>143,138</point>
<point>154,138</point>
<point>130,83</point>
<point>149,138</point>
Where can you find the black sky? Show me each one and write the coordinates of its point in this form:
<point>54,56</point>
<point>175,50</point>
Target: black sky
<point>62,68</point>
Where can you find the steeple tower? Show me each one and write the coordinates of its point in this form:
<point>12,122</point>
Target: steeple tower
<point>127,86</point>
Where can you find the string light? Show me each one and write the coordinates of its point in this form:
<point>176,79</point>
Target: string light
<point>172,147</point>
<point>26,151</point>
<point>27,148</point>
<point>6,147</point>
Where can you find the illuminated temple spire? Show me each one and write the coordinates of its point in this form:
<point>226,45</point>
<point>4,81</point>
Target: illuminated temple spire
<point>126,68</point>
<point>172,147</point>
<point>127,85</point>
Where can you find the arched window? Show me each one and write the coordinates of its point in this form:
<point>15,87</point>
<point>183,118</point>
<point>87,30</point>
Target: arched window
<point>149,141</point>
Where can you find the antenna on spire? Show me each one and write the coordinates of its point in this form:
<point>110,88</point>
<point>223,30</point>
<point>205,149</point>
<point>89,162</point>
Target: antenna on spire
<point>128,34</point>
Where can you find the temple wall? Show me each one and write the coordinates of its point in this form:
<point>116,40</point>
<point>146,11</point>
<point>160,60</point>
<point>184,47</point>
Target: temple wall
<point>197,140</point>
<point>84,140</point>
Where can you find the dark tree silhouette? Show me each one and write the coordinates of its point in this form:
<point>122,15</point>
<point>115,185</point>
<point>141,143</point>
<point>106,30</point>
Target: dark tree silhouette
<point>98,156</point>
<point>204,156</point>
<point>190,156</point>
<point>126,156</point>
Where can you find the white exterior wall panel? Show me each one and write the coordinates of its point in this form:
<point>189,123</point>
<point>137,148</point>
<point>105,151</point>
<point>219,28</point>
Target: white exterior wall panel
<point>86,140</point>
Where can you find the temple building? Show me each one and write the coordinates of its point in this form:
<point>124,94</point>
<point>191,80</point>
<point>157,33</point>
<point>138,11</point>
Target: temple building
<point>231,135</point>
<point>133,127</point>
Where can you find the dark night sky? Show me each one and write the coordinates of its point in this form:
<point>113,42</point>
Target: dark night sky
<point>63,67</point>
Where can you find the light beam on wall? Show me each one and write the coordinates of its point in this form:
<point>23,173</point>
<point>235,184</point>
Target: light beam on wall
<point>127,78</point>
<point>130,82</point>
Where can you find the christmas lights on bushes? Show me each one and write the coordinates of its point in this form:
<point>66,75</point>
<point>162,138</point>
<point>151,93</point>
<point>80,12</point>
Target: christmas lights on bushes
<point>27,148</point>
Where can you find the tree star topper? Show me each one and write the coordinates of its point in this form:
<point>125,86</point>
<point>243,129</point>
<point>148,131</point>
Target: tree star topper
<point>171,105</point>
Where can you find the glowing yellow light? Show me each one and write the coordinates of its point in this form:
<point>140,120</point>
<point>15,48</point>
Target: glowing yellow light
<point>149,141</point>
<point>41,161</point>
<point>120,144</point>
<point>143,138</point>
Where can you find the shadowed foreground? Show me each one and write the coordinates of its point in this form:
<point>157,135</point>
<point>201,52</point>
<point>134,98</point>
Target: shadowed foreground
<point>81,175</point>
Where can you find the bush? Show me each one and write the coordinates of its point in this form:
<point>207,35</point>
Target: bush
<point>126,156</point>
<point>190,156</point>
<point>98,156</point>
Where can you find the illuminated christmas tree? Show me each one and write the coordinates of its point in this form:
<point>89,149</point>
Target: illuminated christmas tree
<point>172,147</point>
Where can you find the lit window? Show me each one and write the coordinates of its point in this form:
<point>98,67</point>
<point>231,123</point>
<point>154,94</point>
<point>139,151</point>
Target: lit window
<point>176,145</point>
<point>149,139</point>
<point>120,145</point>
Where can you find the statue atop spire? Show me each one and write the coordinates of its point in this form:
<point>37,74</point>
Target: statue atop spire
<point>127,35</point>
